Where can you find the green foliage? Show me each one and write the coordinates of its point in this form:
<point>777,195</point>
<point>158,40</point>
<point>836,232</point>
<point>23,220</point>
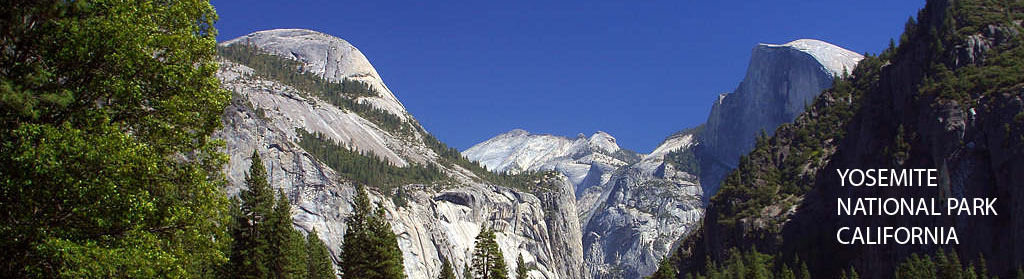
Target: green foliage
<point>108,167</point>
<point>684,160</point>
<point>289,72</point>
<point>666,270</point>
<point>287,246</point>
<point>447,272</point>
<point>365,168</point>
<point>752,264</point>
<point>804,272</point>
<point>740,264</point>
<point>994,71</point>
<point>318,258</point>
<point>370,249</point>
<point>266,245</point>
<point>521,268</point>
<point>941,265</point>
<point>488,262</point>
<point>250,256</point>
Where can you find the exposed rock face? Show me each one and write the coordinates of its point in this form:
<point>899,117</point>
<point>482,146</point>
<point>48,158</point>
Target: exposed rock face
<point>633,208</point>
<point>327,56</point>
<point>781,81</point>
<point>437,221</point>
<point>635,219</point>
<point>586,161</point>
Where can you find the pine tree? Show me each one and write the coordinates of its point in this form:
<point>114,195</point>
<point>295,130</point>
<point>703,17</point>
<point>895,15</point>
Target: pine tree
<point>390,262</point>
<point>982,267</point>
<point>286,245</point>
<point>736,268</point>
<point>712,268</point>
<point>467,273</point>
<point>666,270</point>
<point>370,249</point>
<point>804,272</point>
<point>318,259</point>
<point>953,269</point>
<point>488,262</point>
<point>521,268</point>
<point>970,272</point>
<point>786,273</point>
<point>250,251</point>
<point>446,270</point>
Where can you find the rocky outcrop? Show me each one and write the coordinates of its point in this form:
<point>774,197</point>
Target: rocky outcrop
<point>636,218</point>
<point>633,208</point>
<point>780,82</point>
<point>434,221</point>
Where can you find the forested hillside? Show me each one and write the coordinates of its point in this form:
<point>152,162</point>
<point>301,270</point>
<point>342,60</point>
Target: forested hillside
<point>946,95</point>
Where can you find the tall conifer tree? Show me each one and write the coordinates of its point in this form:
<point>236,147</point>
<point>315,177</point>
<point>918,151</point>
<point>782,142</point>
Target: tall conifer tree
<point>318,258</point>
<point>250,250</point>
<point>488,262</point>
<point>370,249</point>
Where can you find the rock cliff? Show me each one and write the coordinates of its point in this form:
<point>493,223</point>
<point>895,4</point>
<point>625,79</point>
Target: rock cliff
<point>780,82</point>
<point>434,221</point>
<point>633,208</point>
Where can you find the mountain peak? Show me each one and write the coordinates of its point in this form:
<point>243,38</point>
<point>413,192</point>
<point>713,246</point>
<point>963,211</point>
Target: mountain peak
<point>327,56</point>
<point>833,58</point>
<point>604,141</point>
<point>516,133</point>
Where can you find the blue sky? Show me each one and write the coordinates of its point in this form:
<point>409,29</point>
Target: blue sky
<point>639,70</point>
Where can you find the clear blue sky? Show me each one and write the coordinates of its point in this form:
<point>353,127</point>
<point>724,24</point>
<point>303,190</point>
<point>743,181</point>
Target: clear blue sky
<point>639,70</point>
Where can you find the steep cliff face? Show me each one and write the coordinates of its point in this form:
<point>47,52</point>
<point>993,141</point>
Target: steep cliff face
<point>948,98</point>
<point>635,219</point>
<point>433,221</point>
<point>780,82</point>
<point>633,208</point>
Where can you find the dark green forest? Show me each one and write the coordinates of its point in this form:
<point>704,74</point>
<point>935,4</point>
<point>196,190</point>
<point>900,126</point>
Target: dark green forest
<point>366,168</point>
<point>264,242</point>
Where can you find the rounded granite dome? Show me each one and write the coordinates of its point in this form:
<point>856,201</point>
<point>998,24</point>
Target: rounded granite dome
<point>327,56</point>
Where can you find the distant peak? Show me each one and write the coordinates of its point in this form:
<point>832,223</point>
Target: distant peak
<point>835,59</point>
<point>602,135</point>
<point>285,33</point>
<point>602,140</point>
<point>516,133</point>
